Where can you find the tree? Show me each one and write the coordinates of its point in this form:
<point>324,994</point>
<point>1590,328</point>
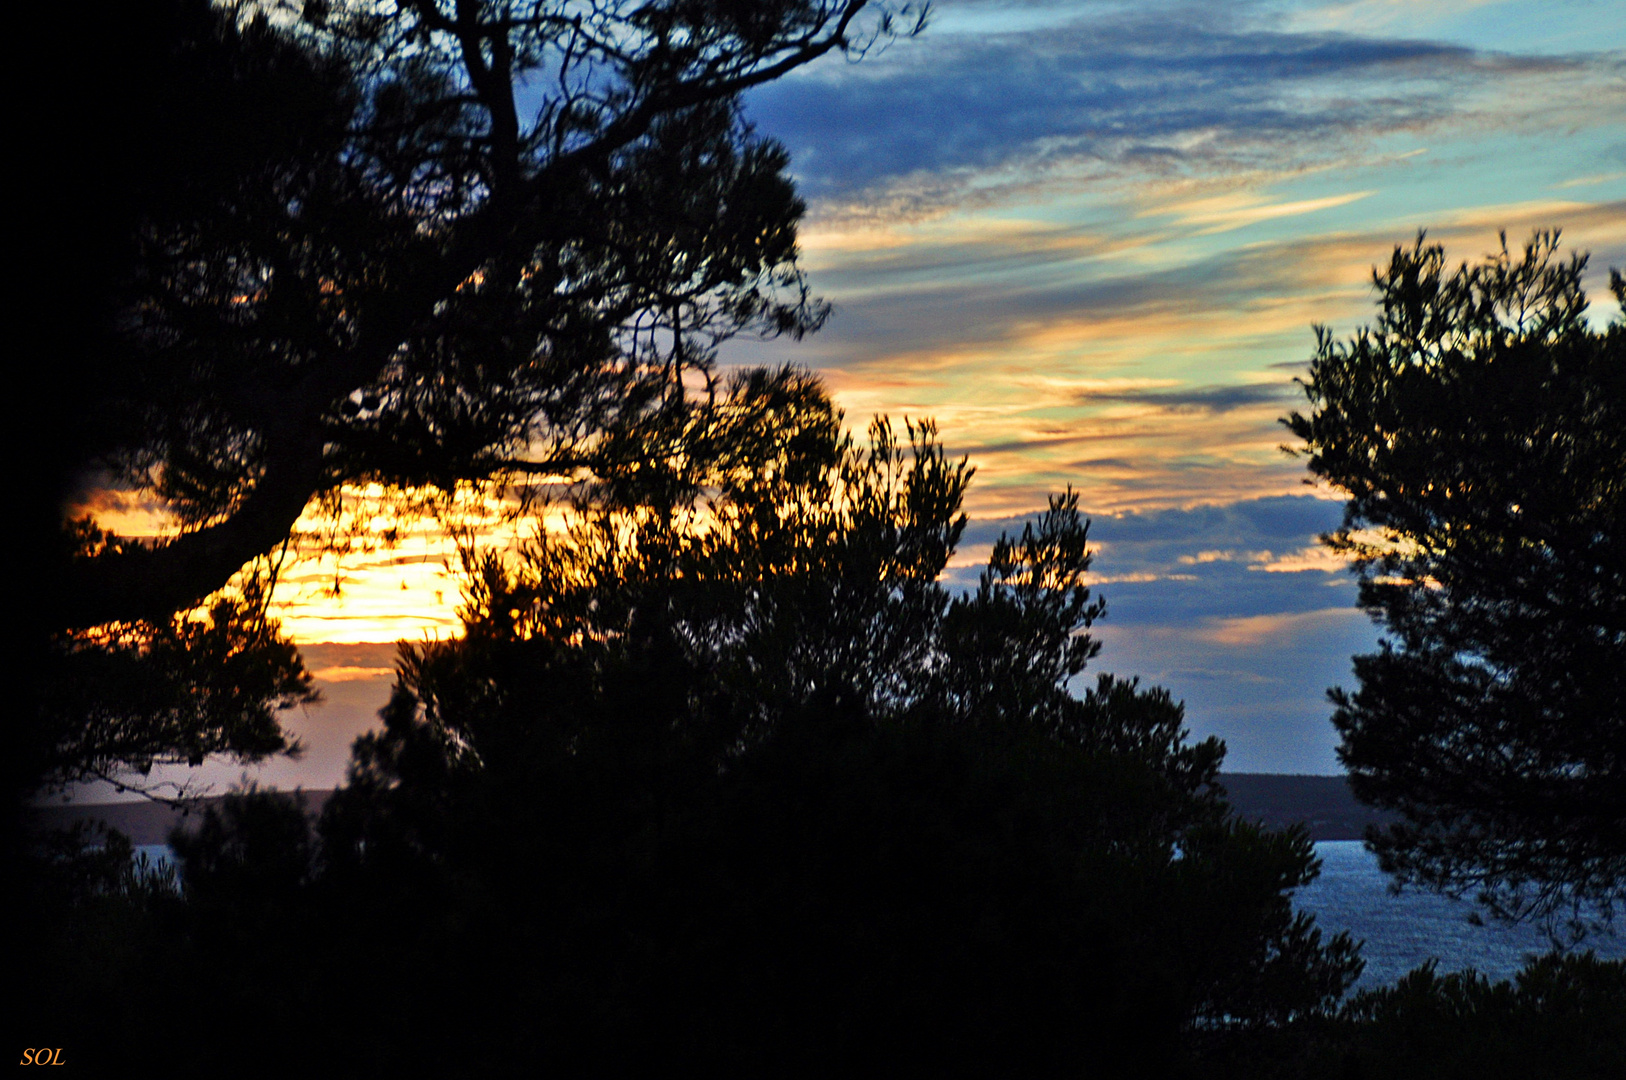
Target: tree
<point>1479,429</point>
<point>421,244</point>
<point>724,775</point>
<point>1560,1015</point>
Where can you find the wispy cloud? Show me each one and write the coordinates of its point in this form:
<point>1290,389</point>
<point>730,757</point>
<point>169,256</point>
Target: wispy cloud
<point>351,673</point>
<point>1590,181</point>
<point>1222,213</point>
<point>1147,372</point>
<point>1306,559</point>
<point>1210,399</point>
<point>1248,631</point>
<point>1262,688</point>
<point>967,117</point>
<point>1090,239</point>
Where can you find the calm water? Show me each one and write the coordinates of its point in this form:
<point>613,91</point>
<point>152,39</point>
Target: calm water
<point>1403,931</point>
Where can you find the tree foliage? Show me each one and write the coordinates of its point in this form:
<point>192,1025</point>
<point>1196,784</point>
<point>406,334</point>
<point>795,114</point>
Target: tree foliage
<point>1479,429</point>
<point>1559,1016</point>
<point>431,265</point>
<point>131,695</point>
<point>731,779</point>
<point>425,243</point>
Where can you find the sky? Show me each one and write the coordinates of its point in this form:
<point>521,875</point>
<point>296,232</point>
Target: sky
<point>1091,240</point>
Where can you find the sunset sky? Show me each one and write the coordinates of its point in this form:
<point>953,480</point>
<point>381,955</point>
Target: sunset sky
<point>1091,240</point>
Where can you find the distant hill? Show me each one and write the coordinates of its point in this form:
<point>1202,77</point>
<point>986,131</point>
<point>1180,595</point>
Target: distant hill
<point>144,822</point>
<point>1322,803</point>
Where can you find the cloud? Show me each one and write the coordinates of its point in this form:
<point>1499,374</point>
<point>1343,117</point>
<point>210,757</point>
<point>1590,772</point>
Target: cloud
<point>1373,15</point>
<point>1261,686</point>
<point>1146,372</point>
<point>1590,181</point>
<point>1201,564</point>
<point>965,116</point>
<point>1250,631</point>
<point>351,674</point>
<point>121,511</point>
<point>1211,399</point>
<point>1140,578</point>
<point>1161,85</point>
<point>1226,212</point>
<point>1251,654</point>
<point>1311,558</point>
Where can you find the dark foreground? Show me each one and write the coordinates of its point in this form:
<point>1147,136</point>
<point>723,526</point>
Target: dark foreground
<point>868,904</point>
<point>1324,805</point>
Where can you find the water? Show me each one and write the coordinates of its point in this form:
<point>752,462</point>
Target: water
<point>1401,932</point>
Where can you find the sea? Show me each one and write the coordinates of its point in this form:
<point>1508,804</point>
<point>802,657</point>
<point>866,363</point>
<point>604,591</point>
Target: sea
<point>1403,931</point>
<point>1399,932</point>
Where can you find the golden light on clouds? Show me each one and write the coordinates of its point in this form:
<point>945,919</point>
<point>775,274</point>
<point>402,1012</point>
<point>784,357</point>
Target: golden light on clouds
<point>365,565</point>
<point>379,598</point>
<point>1164,383</point>
<point>1172,399</point>
<point>1223,213</point>
<point>1118,303</point>
<point>1255,630</point>
<point>381,566</point>
<point>1106,277</point>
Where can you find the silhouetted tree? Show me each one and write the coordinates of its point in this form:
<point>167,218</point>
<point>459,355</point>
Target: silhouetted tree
<point>419,244</point>
<point>728,778</point>
<point>1561,1016</point>
<point>1479,428</point>
<point>133,696</point>
<point>212,117</point>
<point>722,776</point>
